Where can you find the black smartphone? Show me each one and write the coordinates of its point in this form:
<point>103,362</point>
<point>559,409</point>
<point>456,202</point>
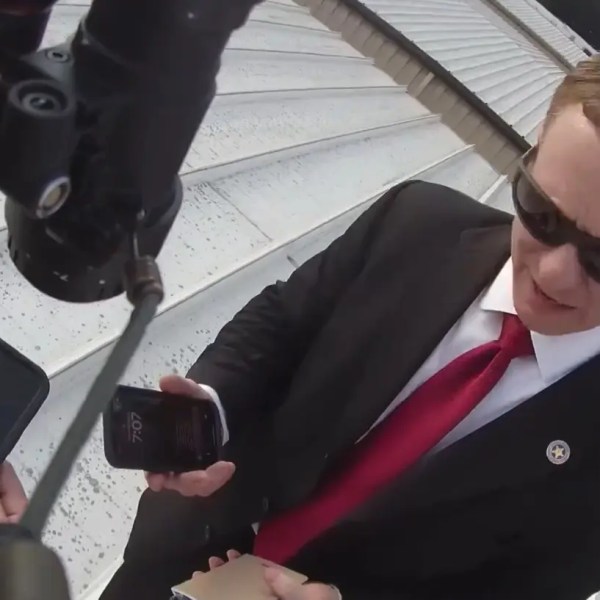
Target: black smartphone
<point>159,432</point>
<point>25,386</point>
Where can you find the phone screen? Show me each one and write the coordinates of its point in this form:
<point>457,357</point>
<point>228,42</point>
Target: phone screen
<point>25,386</point>
<point>156,431</point>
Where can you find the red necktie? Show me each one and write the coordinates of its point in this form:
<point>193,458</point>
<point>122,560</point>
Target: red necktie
<point>412,430</point>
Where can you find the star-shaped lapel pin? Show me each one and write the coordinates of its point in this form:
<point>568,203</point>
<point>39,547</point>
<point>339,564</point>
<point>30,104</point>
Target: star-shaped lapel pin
<point>558,452</point>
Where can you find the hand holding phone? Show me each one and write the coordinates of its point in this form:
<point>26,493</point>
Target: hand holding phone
<point>202,483</point>
<point>175,455</point>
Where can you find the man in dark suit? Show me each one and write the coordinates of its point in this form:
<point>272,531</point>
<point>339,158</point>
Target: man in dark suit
<point>415,413</point>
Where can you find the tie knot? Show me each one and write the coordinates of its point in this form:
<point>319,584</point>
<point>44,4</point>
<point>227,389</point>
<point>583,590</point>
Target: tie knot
<point>515,338</point>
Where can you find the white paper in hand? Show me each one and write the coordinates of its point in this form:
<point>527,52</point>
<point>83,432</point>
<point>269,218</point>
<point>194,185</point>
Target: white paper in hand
<point>242,578</point>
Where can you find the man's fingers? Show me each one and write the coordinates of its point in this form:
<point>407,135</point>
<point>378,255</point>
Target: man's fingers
<point>214,562</point>
<point>176,384</point>
<point>221,472</point>
<point>194,483</point>
<point>156,481</point>
<point>232,554</point>
<point>286,588</point>
<point>203,483</point>
<point>282,586</point>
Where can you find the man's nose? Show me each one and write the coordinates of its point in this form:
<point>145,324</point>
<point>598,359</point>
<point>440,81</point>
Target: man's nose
<point>559,270</point>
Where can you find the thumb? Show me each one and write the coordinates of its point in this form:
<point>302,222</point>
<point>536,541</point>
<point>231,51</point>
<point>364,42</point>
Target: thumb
<point>176,384</point>
<point>281,585</point>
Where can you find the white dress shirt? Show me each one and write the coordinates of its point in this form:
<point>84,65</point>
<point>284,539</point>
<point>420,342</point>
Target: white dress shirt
<point>555,357</point>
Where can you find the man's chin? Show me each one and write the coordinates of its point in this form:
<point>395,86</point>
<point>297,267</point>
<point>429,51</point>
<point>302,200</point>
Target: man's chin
<point>548,323</point>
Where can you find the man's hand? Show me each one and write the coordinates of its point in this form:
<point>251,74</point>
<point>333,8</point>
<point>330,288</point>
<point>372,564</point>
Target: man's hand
<point>285,588</point>
<point>194,483</point>
<point>281,585</point>
<point>12,496</point>
<point>216,561</point>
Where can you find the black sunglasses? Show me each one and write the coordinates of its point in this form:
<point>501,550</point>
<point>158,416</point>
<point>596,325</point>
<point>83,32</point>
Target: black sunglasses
<point>546,223</point>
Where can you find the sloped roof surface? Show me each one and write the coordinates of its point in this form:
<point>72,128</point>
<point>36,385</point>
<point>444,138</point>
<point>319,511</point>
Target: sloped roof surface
<point>503,67</point>
<point>548,27</point>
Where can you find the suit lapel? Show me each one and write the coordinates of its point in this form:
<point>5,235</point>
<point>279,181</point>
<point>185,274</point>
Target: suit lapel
<point>507,453</point>
<point>419,310</point>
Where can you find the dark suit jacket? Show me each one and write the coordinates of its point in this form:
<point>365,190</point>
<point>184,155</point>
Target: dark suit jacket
<point>308,365</point>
